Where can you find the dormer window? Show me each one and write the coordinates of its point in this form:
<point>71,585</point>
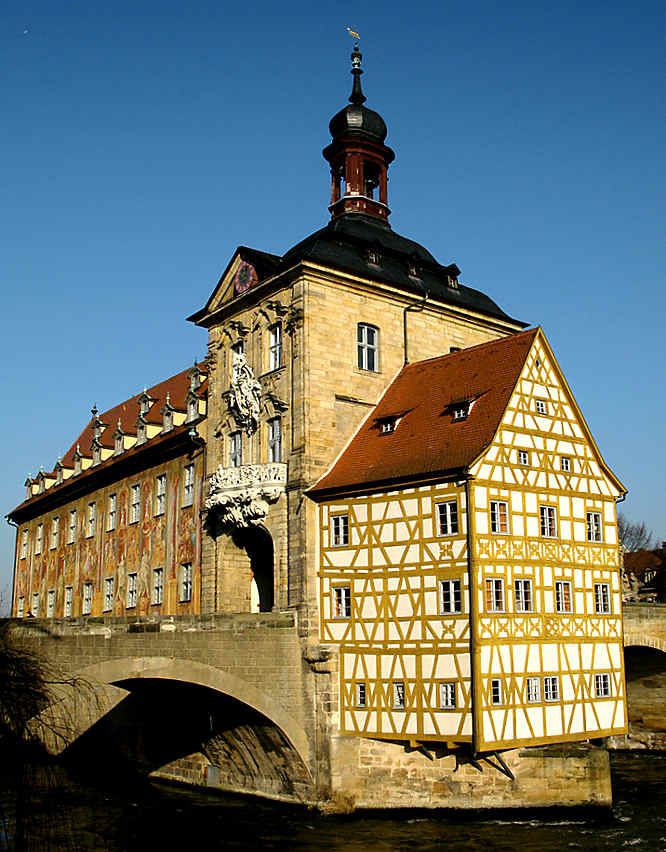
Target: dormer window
<point>195,378</point>
<point>118,442</point>
<point>59,474</point>
<point>145,402</point>
<point>374,255</point>
<point>141,432</point>
<point>167,415</point>
<point>388,425</point>
<point>96,453</point>
<point>77,464</point>
<point>42,484</point>
<point>413,268</point>
<point>460,411</point>
<point>192,408</point>
<point>453,282</point>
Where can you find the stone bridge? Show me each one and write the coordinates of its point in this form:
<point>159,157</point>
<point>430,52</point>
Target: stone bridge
<point>219,700</point>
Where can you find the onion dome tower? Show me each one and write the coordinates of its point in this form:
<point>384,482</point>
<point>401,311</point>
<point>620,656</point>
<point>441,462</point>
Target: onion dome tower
<point>358,157</point>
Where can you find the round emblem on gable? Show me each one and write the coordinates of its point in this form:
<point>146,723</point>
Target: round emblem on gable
<point>245,277</point>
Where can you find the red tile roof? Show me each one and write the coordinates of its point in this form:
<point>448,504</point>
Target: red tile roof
<point>427,441</point>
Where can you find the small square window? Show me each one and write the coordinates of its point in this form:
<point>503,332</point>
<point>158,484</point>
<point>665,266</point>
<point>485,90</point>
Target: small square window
<point>447,518</point>
<point>602,685</point>
<point>565,464</point>
<point>602,598</point>
<point>398,695</point>
<point>460,411</point>
<point>361,695</point>
<point>541,406</point>
<point>339,530</point>
<point>387,427</point>
<point>447,696</point>
<point>533,690</point>
<point>496,691</point>
<point>131,591</point>
<point>186,581</point>
<point>551,688</point>
<point>499,517</point>
<point>450,597</point>
<point>523,457</point>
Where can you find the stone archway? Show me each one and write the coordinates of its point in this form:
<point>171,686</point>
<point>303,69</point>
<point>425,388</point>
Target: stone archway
<point>258,544</point>
<point>246,570</point>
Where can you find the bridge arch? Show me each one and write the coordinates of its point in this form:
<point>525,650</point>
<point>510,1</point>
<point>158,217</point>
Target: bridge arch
<point>644,640</point>
<point>119,670</point>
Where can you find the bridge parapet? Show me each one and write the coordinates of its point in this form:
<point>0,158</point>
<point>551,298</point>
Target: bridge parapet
<point>645,625</point>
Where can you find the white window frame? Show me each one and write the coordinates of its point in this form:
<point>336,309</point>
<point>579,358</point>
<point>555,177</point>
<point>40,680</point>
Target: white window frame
<point>495,600</point>
<point>236,449</point>
<point>69,597</point>
<point>192,409</point>
<point>499,523</point>
<point>35,604</point>
<point>275,439</point>
<point>496,691</point>
<point>551,688</point>
<point>24,544</point>
<point>398,692</point>
<point>548,521</point>
<point>38,539</point>
<point>524,458</point>
<point>541,406</point>
<point>602,685</point>
<point>361,694</point>
<point>71,529</point>
<point>450,596</point>
<point>447,518</point>
<point>602,598</point>
<point>20,607</point>
<point>188,485</point>
<point>86,608</point>
<point>158,587</point>
<point>50,603</point>
<point>131,590</point>
<point>55,530</point>
<point>447,695</point>
<point>186,582</point>
<point>593,526</point>
<point>135,504</point>
<point>91,518</point>
<point>561,597</point>
<point>339,530</point>
<point>108,594</point>
<point>523,594</point>
<point>367,347</point>
<point>111,513</point>
<point>565,464</point>
<point>342,602</point>
<point>533,690</point>
<point>275,346</point>
<point>160,494</point>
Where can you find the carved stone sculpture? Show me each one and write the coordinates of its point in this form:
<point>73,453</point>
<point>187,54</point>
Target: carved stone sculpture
<point>244,395</point>
<point>240,496</point>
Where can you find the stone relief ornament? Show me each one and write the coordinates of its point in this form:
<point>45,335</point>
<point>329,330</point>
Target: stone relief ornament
<point>240,496</point>
<point>244,395</point>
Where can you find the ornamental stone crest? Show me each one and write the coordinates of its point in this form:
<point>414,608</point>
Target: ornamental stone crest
<point>240,496</point>
<point>244,395</point>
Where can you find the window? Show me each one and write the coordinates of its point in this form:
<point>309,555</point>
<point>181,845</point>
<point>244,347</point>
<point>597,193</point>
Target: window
<point>135,504</point>
<point>55,527</point>
<point>361,699</point>
<point>563,596</point>
<point>118,443</point>
<point>68,601</point>
<point>495,691</point>
<point>188,485</point>
<point>602,685</point>
<point>20,607</point>
<point>97,454</point>
<point>447,696</point>
<point>35,604</point>
<point>523,457</point>
<point>192,408</point>
<point>523,595</point>
<point>387,427</point>
<point>158,585</point>
<point>565,464</point>
<point>449,596</point>
<point>499,516</point>
<point>275,440</point>
<point>71,529</point>
<point>235,449</point>
<point>275,346</point>
<point>601,598</point>
<point>594,526</point>
<point>366,337</point>
<point>548,521</point>
<point>447,518</point>
<point>141,432</point>
<point>533,690</point>
<point>90,524</point>
<point>339,530</point>
<point>460,410</point>
<point>186,581</point>
<point>398,695</point>
<point>108,594</point>
<point>87,598</point>
<point>38,538</point>
<point>24,544</point>
<point>541,406</point>
<point>160,494</point>
<point>111,513</point>
<point>167,417</point>
<point>494,595</point>
<point>342,602</point>
<point>50,604</point>
<point>551,688</point>
<point>131,591</point>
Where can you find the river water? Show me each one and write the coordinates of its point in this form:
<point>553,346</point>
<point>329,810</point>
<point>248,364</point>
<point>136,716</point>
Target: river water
<point>63,813</point>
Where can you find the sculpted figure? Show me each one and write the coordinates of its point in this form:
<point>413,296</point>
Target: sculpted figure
<point>244,394</point>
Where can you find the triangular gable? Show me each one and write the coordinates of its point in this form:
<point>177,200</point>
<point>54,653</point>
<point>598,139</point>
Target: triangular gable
<point>561,431</point>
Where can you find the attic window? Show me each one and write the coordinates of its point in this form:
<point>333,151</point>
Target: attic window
<point>454,349</point>
<point>77,465</point>
<point>118,444</point>
<point>453,282</point>
<point>460,410</point>
<point>374,255</point>
<point>144,404</point>
<point>413,268</point>
<point>387,426</point>
<point>140,433</point>
<point>97,454</point>
<point>59,475</point>
<point>195,378</point>
<point>192,409</point>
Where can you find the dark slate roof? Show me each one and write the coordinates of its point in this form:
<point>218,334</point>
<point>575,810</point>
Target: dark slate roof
<point>344,244</point>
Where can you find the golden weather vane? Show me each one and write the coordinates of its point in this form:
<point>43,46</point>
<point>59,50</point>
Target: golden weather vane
<point>352,33</point>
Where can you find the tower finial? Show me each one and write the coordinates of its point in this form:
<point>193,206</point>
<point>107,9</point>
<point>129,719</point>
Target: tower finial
<point>357,96</point>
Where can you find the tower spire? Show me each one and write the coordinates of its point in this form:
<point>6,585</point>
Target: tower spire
<point>357,96</point>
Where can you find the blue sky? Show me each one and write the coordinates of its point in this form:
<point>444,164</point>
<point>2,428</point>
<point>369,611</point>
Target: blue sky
<point>144,141</point>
